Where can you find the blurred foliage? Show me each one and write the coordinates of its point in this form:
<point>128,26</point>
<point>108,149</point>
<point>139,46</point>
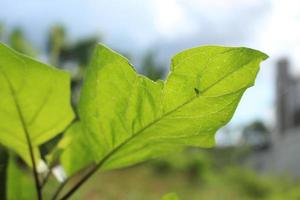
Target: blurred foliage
<point>150,68</point>
<point>226,178</point>
<point>195,175</point>
<point>257,135</point>
<point>19,43</point>
<point>79,52</point>
<point>72,56</point>
<point>55,43</point>
<point>192,162</point>
<point>62,51</point>
<point>202,179</point>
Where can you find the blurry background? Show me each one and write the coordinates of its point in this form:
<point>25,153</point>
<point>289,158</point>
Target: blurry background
<point>257,154</point>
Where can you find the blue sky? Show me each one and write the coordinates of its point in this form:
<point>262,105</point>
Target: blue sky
<point>173,25</point>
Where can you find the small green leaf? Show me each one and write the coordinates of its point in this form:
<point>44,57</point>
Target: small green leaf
<point>19,183</point>
<point>170,196</point>
<point>75,150</point>
<point>128,118</point>
<point>34,101</point>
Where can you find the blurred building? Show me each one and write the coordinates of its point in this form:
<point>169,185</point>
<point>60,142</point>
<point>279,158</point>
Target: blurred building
<point>288,99</point>
<point>286,137</point>
<point>284,155</point>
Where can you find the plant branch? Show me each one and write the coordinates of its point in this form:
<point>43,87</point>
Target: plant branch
<point>84,179</point>
<point>93,170</point>
<point>34,169</point>
<point>45,180</point>
<point>59,189</point>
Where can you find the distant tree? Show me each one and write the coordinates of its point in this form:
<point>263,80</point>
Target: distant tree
<point>150,67</point>
<point>79,52</point>
<point>73,56</point>
<point>56,42</point>
<point>62,51</point>
<point>257,135</point>
<point>18,42</point>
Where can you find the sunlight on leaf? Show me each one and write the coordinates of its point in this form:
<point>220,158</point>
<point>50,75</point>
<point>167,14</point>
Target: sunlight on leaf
<point>34,102</point>
<point>127,118</point>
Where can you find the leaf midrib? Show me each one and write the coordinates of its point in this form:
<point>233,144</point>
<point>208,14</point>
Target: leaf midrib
<point>165,137</point>
<point>27,136</point>
<point>114,150</point>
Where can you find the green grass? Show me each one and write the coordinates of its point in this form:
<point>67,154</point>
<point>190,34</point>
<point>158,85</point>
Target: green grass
<point>193,175</point>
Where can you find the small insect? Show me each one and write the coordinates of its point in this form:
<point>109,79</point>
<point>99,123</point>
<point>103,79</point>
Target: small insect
<point>197,91</point>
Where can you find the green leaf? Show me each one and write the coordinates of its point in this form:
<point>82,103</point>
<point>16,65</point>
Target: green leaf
<point>170,196</point>
<point>128,118</point>
<point>19,183</point>
<point>34,101</point>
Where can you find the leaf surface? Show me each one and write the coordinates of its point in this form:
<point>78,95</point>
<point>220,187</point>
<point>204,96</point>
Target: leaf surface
<point>128,118</point>
<point>74,151</point>
<point>34,102</point>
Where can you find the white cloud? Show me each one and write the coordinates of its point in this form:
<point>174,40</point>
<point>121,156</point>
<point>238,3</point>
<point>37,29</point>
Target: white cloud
<point>281,35</point>
<point>170,19</point>
<point>272,26</point>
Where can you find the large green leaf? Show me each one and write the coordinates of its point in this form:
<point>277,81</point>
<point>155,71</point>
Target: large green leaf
<point>128,118</point>
<point>34,101</point>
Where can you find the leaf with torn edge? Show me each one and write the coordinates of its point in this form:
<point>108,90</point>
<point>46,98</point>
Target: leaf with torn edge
<point>128,118</point>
